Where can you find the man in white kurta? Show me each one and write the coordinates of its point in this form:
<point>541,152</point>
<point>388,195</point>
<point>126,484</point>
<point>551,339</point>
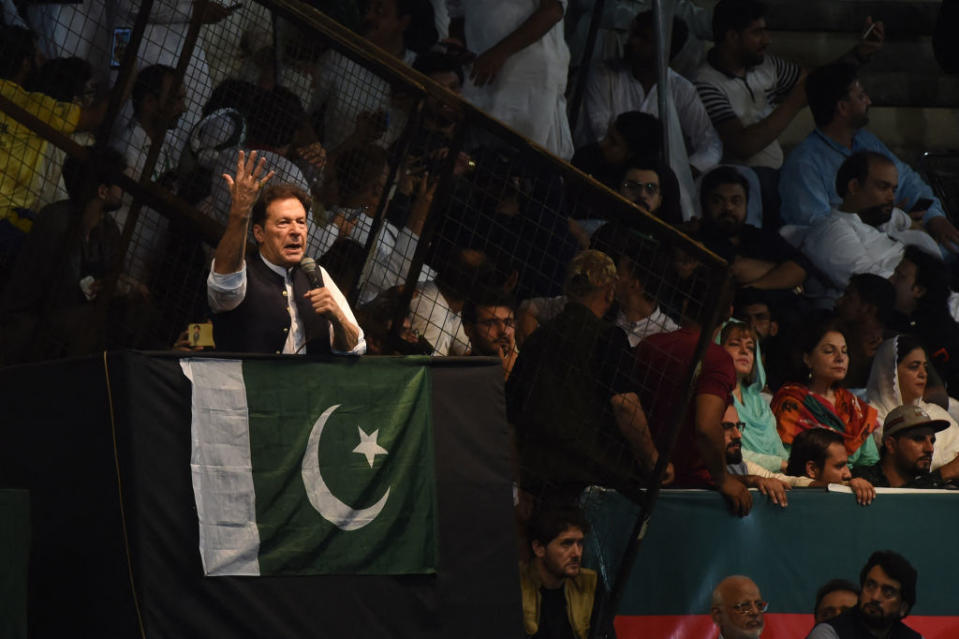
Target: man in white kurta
<point>519,75</point>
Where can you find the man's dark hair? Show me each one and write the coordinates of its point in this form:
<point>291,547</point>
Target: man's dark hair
<point>857,167</point>
<point>357,168</point>
<point>273,193</point>
<point>149,82</point>
<point>898,568</point>
<point>643,133</point>
<point>877,291</point>
<point>83,178</point>
<point>644,21</point>
<point>750,296</point>
<point>63,79</point>
<point>834,585</point>
<point>933,276</point>
<point>19,44</point>
<point>826,86</point>
<point>548,523</point>
<point>670,210</point>
<point>735,15</point>
<point>233,94</point>
<point>486,296</point>
<point>274,118</point>
<point>718,176</point>
<point>810,445</point>
<point>432,62</point>
<point>421,33</point>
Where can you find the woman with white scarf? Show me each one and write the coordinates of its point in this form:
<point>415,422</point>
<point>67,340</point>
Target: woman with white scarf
<point>900,372</point>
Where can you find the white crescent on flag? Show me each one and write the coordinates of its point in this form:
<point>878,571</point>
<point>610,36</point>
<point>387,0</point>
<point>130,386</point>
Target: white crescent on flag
<point>319,494</point>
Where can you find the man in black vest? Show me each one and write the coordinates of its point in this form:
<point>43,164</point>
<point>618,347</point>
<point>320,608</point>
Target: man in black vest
<point>888,593</point>
<point>268,304</point>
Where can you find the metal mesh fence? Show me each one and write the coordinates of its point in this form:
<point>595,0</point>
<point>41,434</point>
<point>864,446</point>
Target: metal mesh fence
<point>449,233</point>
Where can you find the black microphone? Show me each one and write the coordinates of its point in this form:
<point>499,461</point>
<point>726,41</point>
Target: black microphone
<point>308,264</point>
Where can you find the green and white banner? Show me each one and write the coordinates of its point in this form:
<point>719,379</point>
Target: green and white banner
<point>297,471</point>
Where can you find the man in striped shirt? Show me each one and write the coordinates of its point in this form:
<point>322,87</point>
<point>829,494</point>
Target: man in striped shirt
<point>750,96</point>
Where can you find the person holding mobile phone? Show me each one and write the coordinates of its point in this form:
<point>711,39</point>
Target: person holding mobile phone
<point>840,108</point>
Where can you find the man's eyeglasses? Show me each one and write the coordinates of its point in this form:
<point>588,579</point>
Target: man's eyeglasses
<point>635,188</point>
<point>739,425</point>
<point>500,323</point>
<point>745,607</point>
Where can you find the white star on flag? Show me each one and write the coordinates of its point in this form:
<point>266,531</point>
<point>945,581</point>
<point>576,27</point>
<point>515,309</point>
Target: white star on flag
<point>369,447</point>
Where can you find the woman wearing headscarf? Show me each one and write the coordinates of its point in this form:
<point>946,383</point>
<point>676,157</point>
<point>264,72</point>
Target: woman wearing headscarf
<point>899,375</point>
<point>761,442</point>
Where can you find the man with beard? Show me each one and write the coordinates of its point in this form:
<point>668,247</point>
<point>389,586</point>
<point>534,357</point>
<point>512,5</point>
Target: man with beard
<point>558,593</point>
<point>738,608</point>
<point>888,583</point>
<point>490,324</point>
<point>751,96</point>
<point>840,107</point>
<point>760,258</point>
<point>866,233</point>
<point>773,485</point>
<point>908,441</point>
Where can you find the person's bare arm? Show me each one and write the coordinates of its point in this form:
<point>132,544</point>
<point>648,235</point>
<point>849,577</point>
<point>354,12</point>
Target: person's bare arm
<point>709,440</point>
<point>346,335</point>
<point>763,275</point>
<point>244,189</point>
<point>745,141</point>
<point>488,64</point>
<point>631,421</point>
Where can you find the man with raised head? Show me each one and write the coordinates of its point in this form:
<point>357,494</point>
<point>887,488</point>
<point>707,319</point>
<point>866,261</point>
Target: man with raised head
<point>888,583</point>
<point>558,593</point>
<point>269,304</point>
<point>840,106</point>
<point>737,608</point>
<point>905,460</point>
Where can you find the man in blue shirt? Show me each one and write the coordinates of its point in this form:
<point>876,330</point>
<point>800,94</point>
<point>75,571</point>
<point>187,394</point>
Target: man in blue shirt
<point>840,105</point>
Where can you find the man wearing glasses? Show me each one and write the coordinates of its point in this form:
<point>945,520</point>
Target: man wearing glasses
<point>888,593</point>
<point>737,608</point>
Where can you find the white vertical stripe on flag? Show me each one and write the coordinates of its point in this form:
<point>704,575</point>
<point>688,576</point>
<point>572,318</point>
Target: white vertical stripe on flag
<point>222,467</point>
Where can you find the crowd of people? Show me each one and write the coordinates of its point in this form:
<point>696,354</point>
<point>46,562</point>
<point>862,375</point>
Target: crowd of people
<point>834,361</point>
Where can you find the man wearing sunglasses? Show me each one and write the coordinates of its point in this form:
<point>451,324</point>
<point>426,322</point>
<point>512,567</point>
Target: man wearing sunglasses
<point>738,608</point>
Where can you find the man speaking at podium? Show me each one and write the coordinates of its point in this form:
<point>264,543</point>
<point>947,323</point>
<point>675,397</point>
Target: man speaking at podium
<point>278,301</point>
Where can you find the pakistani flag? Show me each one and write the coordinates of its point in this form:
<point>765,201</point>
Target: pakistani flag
<point>299,469</point>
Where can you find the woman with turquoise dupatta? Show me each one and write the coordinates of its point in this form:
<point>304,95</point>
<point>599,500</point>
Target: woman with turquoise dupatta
<point>761,442</point>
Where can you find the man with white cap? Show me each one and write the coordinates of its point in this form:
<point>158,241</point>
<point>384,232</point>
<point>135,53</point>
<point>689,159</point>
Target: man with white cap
<point>908,439</point>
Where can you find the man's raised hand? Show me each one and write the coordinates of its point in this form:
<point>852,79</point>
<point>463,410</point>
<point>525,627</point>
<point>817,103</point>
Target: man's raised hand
<point>245,187</point>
